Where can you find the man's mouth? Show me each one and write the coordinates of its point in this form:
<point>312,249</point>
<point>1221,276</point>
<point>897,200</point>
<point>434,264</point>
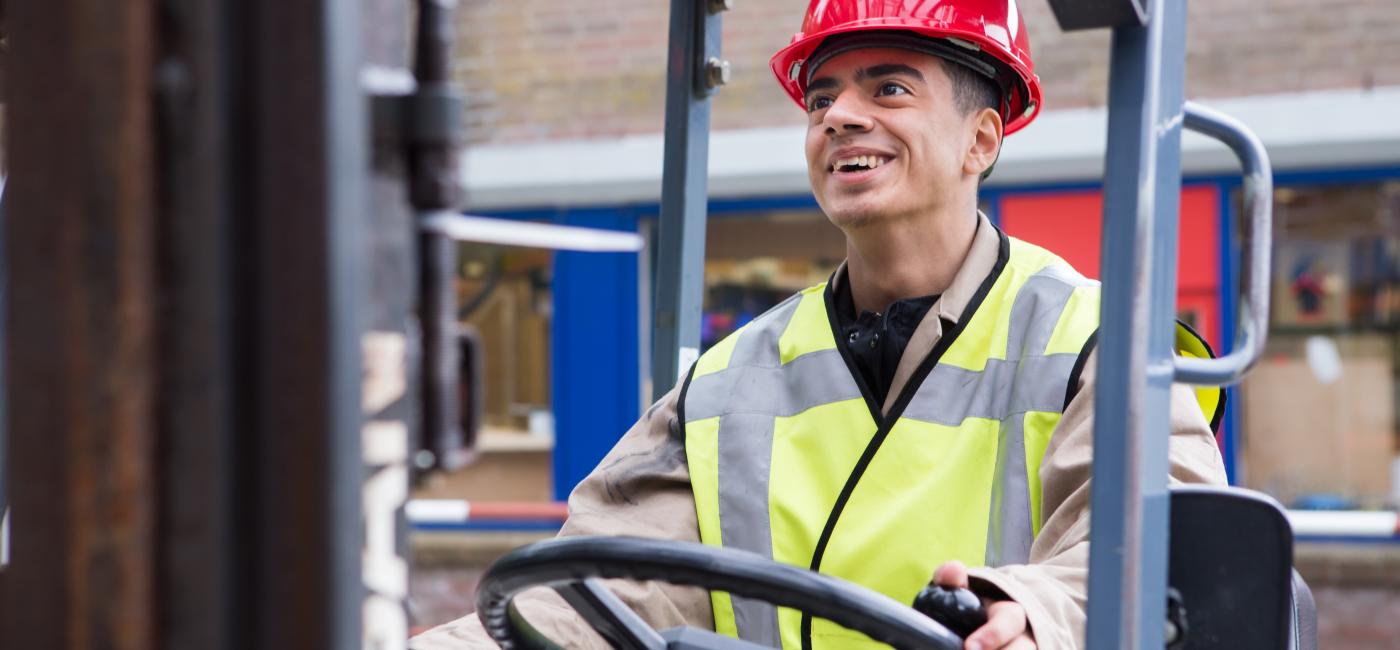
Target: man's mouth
<point>857,163</point>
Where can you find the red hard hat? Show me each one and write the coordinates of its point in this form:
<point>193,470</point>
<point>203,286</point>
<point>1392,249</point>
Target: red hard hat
<point>983,28</point>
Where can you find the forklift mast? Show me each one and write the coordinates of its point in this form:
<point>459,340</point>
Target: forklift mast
<point>1130,532</point>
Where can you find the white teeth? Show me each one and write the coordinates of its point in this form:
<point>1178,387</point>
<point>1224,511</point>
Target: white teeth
<point>868,162</point>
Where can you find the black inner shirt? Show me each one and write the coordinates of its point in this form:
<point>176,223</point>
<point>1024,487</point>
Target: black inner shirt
<point>877,340</point>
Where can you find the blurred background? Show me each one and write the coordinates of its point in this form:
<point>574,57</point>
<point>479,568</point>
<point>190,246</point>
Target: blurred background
<point>565,120</point>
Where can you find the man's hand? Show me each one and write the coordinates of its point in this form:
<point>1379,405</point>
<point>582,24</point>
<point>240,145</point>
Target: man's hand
<point>1006,627</point>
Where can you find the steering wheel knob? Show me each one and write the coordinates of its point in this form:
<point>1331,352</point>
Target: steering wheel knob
<point>959,610</point>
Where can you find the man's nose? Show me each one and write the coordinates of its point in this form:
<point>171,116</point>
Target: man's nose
<point>847,114</point>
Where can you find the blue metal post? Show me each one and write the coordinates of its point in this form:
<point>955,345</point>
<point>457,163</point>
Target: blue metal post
<point>1229,279</point>
<point>595,391</point>
<point>1129,535</point>
<point>693,71</point>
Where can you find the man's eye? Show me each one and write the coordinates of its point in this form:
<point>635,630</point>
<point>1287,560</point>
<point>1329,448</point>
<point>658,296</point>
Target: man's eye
<point>892,89</point>
<point>818,103</point>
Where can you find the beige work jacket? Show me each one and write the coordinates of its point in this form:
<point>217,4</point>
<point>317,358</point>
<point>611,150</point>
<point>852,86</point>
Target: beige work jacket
<point>642,489</point>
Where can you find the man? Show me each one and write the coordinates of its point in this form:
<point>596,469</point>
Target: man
<point>926,410</point>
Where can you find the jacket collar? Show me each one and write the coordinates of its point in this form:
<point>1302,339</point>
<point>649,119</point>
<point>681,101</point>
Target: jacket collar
<point>981,259</point>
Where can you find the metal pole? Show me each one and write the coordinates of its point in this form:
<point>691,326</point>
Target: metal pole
<point>390,343</point>
<point>433,113</point>
<point>201,543</point>
<point>263,180</point>
<point>4,443</point>
<point>693,71</point>
<point>1128,538</point>
<point>81,327</point>
<point>305,161</point>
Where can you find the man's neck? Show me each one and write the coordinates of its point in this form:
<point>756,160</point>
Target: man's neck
<point>906,259</point>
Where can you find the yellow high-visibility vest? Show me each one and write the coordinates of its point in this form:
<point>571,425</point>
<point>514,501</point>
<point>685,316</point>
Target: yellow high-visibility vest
<point>790,459</point>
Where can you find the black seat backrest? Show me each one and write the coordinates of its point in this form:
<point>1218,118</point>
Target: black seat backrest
<point>1231,560</point>
<point>1304,615</point>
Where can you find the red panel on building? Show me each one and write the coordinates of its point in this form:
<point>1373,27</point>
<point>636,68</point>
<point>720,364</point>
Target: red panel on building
<point>1070,224</point>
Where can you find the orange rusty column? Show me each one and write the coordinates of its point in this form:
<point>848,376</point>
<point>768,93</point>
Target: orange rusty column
<point>82,314</point>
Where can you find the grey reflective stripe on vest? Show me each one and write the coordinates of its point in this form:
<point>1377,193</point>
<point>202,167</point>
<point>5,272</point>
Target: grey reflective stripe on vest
<point>1009,531</point>
<point>951,394</point>
<point>743,519</point>
<point>810,380</point>
<point>746,446</point>
<point>1039,304</point>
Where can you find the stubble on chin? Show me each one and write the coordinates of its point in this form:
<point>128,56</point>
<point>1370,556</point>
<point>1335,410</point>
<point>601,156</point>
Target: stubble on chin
<point>850,218</point>
<point>850,209</point>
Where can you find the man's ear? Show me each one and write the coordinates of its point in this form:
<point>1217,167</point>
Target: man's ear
<point>985,145</point>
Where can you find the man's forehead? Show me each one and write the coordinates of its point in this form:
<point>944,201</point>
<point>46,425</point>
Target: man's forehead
<point>874,62</point>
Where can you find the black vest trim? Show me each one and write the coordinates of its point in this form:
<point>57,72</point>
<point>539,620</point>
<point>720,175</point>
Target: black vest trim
<point>1072,388</point>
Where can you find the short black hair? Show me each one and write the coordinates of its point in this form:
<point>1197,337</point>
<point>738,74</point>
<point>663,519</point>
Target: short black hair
<point>971,90</point>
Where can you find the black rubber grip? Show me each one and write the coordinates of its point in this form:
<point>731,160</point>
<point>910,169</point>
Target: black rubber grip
<point>959,610</point>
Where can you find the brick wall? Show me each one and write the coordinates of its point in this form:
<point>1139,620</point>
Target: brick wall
<point>544,69</point>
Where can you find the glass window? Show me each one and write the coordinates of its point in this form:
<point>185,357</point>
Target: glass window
<point>1319,412</point>
<point>504,294</point>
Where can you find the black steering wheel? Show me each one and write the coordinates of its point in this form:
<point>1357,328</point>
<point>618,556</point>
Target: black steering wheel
<point>575,567</point>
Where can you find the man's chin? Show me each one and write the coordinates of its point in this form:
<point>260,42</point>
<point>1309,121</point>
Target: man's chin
<point>856,217</point>
<point>856,208</point>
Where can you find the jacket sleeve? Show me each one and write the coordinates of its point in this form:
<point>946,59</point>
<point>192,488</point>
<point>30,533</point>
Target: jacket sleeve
<point>640,489</point>
<point>1053,586</point>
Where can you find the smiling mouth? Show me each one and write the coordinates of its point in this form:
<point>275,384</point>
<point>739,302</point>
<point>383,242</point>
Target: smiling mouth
<point>858,163</point>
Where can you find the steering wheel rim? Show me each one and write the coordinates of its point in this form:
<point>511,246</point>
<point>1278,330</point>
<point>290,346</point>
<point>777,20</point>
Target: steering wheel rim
<point>568,561</point>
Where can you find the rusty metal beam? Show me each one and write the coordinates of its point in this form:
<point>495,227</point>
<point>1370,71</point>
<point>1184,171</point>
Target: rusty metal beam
<point>184,244</point>
<point>82,330</point>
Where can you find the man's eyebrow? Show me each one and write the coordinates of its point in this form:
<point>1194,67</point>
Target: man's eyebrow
<point>886,70</point>
<point>882,70</point>
<point>823,83</point>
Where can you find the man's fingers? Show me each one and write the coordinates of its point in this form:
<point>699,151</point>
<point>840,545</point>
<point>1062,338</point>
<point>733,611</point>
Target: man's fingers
<point>1006,620</point>
<point>951,574</point>
<point>1022,642</point>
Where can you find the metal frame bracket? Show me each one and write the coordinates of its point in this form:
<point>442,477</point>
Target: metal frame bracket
<point>1093,14</point>
<point>429,116</point>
